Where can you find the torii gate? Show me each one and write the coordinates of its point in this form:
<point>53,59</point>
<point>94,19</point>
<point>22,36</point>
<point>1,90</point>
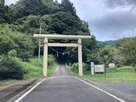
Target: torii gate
<point>69,37</point>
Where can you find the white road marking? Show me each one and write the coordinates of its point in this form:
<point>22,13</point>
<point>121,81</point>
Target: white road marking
<point>101,90</point>
<point>20,98</point>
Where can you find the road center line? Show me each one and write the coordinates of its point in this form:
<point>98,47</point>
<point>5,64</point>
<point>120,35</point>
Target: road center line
<point>101,90</point>
<point>20,98</point>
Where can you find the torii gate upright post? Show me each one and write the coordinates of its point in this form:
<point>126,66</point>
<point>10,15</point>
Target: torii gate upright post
<point>69,37</point>
<point>80,57</point>
<point>45,56</point>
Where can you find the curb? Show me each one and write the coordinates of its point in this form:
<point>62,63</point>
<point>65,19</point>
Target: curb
<point>11,91</point>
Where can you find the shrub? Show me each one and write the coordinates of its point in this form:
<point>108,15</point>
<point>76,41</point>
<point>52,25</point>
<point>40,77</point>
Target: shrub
<point>12,53</point>
<point>11,68</point>
<point>51,59</point>
<point>75,67</point>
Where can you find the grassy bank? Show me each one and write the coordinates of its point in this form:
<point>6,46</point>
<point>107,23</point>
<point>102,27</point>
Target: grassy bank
<point>124,74</point>
<point>33,70</point>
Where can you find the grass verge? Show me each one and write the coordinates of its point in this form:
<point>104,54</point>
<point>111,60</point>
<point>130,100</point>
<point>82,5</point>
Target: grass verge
<point>124,74</point>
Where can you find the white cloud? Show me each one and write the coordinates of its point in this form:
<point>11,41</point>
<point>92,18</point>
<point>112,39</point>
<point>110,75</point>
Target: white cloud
<point>8,2</point>
<point>108,19</point>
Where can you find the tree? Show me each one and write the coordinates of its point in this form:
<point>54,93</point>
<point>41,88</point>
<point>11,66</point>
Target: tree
<point>25,8</point>
<point>2,2</point>
<point>25,47</point>
<point>19,42</point>
<point>6,41</point>
<point>4,13</point>
<point>65,23</point>
<point>107,54</point>
<point>128,50</point>
<point>67,6</point>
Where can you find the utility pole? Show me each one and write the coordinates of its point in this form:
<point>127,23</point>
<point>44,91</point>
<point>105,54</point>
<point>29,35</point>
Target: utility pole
<point>39,45</point>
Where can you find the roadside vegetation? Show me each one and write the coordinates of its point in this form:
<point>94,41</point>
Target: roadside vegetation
<point>18,23</point>
<point>124,74</point>
<point>29,70</point>
<point>18,48</point>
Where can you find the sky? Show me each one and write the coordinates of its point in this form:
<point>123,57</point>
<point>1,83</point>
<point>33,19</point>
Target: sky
<point>107,19</point>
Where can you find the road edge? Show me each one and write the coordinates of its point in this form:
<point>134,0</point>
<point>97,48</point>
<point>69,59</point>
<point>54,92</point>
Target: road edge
<point>21,97</point>
<point>119,99</point>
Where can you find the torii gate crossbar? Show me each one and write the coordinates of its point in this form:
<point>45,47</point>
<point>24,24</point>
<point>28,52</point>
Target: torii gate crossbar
<point>70,37</point>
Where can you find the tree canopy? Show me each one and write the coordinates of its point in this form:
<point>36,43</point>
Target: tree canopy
<point>24,18</point>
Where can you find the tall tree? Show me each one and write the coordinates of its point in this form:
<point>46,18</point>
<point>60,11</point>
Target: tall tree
<point>67,6</point>
<point>4,13</point>
<point>10,40</point>
<point>128,49</point>
<point>25,8</point>
<point>2,2</point>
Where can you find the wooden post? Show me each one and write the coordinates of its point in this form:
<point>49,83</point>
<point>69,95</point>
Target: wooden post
<point>80,57</point>
<point>45,56</point>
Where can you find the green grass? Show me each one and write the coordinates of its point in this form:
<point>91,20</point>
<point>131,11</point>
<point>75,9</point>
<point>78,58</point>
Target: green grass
<point>7,82</point>
<point>51,69</point>
<point>33,70</point>
<point>115,75</point>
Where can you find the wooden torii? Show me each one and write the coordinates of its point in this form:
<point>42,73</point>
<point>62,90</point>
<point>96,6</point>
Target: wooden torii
<point>69,37</point>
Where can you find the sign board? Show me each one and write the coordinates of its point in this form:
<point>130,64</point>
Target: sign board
<point>99,68</point>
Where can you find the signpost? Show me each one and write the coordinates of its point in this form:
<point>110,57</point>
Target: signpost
<point>92,68</point>
<point>97,68</point>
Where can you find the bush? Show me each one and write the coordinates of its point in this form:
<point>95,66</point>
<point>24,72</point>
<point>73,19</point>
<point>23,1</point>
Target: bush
<point>75,67</point>
<point>11,68</point>
<point>51,60</point>
<point>12,53</point>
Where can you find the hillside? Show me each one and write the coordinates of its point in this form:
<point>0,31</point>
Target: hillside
<point>18,23</point>
<point>102,44</point>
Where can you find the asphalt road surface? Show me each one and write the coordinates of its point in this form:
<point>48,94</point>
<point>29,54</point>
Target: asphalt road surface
<point>62,87</point>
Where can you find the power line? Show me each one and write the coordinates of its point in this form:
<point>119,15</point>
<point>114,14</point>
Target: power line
<point>39,44</point>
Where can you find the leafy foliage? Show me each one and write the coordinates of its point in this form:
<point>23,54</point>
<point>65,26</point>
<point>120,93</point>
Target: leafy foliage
<point>24,19</point>
<point>67,6</point>
<point>4,15</point>
<point>128,50</point>
<point>11,68</point>
<point>51,59</point>
<point>74,67</point>
<point>21,43</point>
<point>12,53</point>
<point>24,8</point>
<point>2,2</point>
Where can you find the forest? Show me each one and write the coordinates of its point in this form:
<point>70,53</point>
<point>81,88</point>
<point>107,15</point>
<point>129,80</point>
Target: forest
<point>18,23</point>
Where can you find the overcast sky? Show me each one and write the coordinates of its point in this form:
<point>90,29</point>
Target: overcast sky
<point>107,19</point>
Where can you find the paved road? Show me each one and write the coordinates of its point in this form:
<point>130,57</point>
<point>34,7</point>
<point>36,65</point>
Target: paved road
<point>62,87</point>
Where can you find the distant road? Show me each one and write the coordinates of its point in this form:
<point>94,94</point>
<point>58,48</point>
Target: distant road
<point>62,87</point>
